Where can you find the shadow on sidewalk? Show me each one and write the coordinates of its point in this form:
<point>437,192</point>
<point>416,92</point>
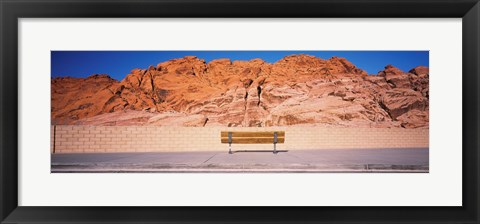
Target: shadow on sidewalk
<point>271,151</point>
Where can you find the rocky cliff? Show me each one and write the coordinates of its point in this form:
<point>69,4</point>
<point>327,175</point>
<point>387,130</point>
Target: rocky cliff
<point>296,90</point>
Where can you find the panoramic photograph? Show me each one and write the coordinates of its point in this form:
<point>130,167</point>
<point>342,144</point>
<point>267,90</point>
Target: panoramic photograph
<point>239,111</point>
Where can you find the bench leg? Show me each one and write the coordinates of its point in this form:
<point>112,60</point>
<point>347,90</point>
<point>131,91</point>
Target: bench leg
<point>275,148</point>
<point>230,148</point>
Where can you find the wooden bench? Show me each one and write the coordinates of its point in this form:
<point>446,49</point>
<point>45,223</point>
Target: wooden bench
<point>264,137</point>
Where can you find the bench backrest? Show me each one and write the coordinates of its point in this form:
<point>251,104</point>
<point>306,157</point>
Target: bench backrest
<point>263,137</point>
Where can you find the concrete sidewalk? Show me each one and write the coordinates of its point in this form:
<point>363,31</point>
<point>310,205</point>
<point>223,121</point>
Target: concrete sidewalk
<point>331,160</point>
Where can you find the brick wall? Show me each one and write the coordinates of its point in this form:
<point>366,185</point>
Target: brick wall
<point>147,138</point>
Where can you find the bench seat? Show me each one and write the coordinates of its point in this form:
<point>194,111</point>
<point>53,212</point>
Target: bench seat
<point>258,137</point>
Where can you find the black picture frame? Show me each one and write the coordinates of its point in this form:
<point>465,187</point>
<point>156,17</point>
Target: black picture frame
<point>12,10</point>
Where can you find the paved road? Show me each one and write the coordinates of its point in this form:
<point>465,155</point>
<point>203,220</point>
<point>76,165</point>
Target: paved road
<point>338,160</point>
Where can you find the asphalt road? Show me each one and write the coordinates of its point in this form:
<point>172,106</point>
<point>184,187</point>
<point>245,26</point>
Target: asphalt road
<point>332,160</point>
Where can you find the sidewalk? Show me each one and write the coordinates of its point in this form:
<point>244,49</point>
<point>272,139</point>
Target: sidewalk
<point>333,160</point>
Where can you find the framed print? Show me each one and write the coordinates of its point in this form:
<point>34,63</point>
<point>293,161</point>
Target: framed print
<point>249,112</point>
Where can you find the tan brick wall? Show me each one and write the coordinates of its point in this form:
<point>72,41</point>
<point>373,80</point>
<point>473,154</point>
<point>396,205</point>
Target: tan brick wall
<point>51,138</point>
<point>147,138</point>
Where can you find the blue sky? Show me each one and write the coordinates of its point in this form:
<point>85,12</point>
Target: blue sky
<point>118,64</point>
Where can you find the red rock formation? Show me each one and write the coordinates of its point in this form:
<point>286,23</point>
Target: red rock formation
<point>296,90</point>
<point>77,98</point>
